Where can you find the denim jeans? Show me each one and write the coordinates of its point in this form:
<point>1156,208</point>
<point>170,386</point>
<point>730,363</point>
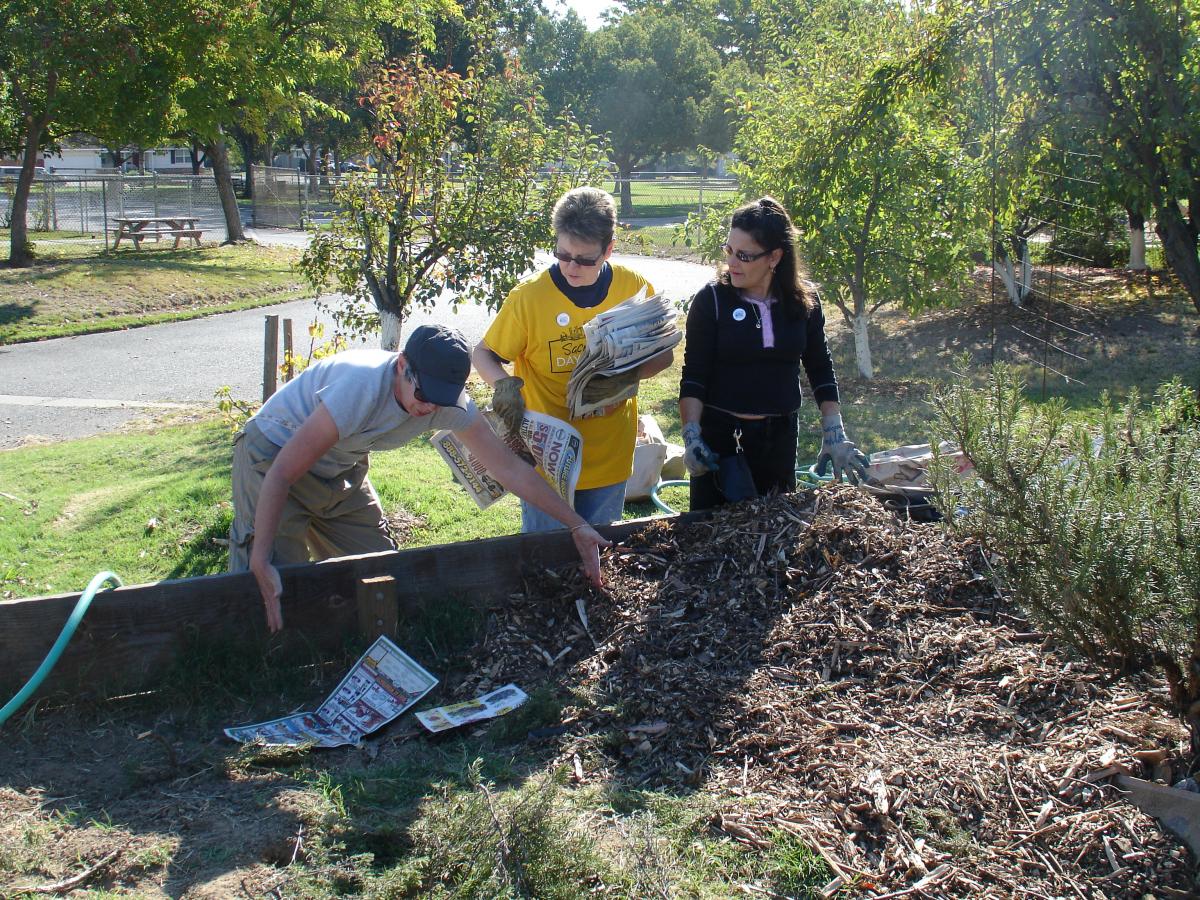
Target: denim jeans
<point>600,506</point>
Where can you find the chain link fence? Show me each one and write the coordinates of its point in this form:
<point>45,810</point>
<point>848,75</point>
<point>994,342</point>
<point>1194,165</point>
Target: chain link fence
<point>87,204</point>
<point>285,198</point>
<point>669,197</point>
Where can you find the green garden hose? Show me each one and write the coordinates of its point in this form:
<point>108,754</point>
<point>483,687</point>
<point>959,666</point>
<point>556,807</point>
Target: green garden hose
<point>64,638</point>
<point>805,475</point>
<point>808,475</point>
<point>658,501</point>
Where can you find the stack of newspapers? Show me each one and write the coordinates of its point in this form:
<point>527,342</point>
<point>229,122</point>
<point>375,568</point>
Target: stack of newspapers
<point>618,341</point>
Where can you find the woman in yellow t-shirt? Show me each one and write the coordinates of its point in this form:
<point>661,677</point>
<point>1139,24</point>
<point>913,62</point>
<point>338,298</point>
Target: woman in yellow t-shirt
<point>539,332</point>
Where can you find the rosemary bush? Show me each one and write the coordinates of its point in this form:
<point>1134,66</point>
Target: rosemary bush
<point>1096,529</point>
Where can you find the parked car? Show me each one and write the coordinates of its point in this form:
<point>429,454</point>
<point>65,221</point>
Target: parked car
<point>15,171</point>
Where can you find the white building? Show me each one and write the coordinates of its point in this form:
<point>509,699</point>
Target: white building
<point>164,160</point>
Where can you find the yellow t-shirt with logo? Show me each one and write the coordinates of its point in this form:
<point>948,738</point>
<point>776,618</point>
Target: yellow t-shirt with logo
<point>540,331</point>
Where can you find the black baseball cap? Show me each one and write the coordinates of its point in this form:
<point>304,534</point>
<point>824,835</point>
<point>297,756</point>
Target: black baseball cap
<point>440,359</point>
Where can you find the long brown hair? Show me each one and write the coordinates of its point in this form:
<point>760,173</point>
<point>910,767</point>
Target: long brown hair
<point>768,223</point>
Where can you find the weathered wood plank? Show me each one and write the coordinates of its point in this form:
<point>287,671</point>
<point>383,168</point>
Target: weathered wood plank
<point>131,634</point>
<point>378,607</point>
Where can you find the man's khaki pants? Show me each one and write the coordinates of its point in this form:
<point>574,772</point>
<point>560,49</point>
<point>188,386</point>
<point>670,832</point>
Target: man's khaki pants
<point>322,518</point>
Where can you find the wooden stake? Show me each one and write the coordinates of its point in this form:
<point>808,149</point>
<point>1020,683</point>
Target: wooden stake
<point>289,371</point>
<point>378,608</point>
<point>270,356</point>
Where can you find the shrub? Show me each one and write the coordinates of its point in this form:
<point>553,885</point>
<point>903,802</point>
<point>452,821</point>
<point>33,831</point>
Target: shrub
<point>1097,530</point>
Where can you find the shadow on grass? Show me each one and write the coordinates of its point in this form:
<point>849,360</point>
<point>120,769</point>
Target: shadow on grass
<point>122,262</point>
<point>15,312</point>
<point>206,553</point>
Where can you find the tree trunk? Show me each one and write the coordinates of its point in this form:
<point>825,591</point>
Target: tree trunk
<point>1137,241</point>
<point>626,174</point>
<point>390,325</point>
<point>1016,284</point>
<point>216,152</point>
<point>196,156</point>
<point>20,254</point>
<point>1179,247</point>
<point>862,345</point>
<point>247,143</point>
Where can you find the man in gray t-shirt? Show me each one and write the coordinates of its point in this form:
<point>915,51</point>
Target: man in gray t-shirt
<point>300,486</point>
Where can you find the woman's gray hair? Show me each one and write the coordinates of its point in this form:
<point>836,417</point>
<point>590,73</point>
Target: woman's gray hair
<point>586,214</point>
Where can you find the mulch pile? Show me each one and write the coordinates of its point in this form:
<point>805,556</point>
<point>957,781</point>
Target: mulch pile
<point>855,680</point>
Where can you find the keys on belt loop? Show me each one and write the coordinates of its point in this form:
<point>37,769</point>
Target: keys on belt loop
<point>737,440</point>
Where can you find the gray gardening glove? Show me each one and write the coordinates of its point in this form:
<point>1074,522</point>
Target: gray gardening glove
<point>508,402</point>
<point>697,455</point>
<point>601,386</point>
<point>836,449</point>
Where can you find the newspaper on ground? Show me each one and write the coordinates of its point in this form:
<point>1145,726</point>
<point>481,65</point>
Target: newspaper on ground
<point>382,684</point>
<point>617,341</point>
<point>556,448</point>
<point>905,469</point>
<point>496,703</point>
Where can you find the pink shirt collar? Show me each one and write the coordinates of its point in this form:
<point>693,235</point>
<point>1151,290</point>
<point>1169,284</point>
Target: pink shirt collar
<point>763,306</point>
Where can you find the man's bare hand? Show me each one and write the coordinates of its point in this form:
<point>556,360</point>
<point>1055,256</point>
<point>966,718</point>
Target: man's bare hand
<point>271,587</point>
<point>588,542</point>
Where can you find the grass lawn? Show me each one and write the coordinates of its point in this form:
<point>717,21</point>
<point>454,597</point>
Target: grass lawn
<point>77,287</point>
<point>656,240</point>
<point>671,198</point>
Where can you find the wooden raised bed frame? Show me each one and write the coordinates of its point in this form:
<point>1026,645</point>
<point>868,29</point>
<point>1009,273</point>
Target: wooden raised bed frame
<point>131,634</point>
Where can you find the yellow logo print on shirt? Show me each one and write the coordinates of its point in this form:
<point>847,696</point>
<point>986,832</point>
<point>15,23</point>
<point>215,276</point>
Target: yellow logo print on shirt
<point>566,350</point>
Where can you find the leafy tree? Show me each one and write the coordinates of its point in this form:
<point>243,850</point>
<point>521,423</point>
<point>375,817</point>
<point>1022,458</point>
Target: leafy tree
<point>82,65</point>
<point>459,201</point>
<point>1130,75</point>
<point>880,194</point>
<point>263,65</point>
<point>739,29</point>
<point>649,76</point>
<point>1126,75</point>
<point>554,53</point>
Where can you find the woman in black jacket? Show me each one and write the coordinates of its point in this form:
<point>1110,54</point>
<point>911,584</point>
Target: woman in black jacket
<point>748,334</point>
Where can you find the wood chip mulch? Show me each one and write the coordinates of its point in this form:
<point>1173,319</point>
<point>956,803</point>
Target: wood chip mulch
<point>857,681</point>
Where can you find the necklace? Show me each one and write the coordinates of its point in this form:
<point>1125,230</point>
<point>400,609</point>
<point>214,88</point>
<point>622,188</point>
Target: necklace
<point>753,302</point>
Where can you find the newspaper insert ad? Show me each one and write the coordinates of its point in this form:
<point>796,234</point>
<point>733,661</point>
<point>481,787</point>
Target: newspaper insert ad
<point>496,703</point>
<point>382,684</point>
<point>556,447</point>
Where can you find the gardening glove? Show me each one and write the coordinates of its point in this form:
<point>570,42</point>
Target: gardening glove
<point>837,449</point>
<point>508,402</point>
<point>601,387</point>
<point>697,455</point>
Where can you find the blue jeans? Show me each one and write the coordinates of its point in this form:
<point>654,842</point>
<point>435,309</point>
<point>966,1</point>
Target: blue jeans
<point>600,506</point>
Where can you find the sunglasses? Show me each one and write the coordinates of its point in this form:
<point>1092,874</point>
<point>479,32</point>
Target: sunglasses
<point>411,374</point>
<point>742,255</point>
<point>586,261</point>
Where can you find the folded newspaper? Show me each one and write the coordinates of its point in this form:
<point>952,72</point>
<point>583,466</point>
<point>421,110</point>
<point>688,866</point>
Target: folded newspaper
<point>618,341</point>
<point>556,447</point>
<point>497,703</point>
<point>383,683</point>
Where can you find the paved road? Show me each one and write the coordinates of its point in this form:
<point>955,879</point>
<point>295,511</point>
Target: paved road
<point>75,387</point>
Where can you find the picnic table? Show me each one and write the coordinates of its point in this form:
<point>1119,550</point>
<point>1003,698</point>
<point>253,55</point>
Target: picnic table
<point>138,228</point>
